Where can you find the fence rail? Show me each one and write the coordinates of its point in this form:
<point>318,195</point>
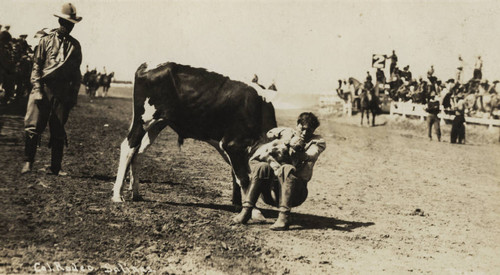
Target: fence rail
<point>412,109</point>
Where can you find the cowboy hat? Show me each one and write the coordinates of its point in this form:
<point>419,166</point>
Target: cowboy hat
<point>68,12</point>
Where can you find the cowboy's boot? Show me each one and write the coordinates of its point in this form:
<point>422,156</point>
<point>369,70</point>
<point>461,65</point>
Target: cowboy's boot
<point>30,146</point>
<point>251,199</point>
<point>283,221</point>
<point>57,146</point>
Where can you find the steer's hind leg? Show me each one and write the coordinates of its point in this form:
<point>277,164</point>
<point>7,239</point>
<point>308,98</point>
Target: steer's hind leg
<point>128,149</point>
<point>236,198</point>
<point>148,139</point>
<point>126,155</point>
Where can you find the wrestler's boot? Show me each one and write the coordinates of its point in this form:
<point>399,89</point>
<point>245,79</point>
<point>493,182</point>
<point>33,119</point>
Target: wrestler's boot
<point>57,146</point>
<point>283,221</point>
<point>30,144</point>
<point>251,199</point>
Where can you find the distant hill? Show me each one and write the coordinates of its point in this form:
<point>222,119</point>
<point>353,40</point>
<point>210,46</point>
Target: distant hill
<point>296,100</point>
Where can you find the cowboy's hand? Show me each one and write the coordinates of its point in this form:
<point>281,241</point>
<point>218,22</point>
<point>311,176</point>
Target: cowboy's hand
<point>36,94</point>
<point>278,171</point>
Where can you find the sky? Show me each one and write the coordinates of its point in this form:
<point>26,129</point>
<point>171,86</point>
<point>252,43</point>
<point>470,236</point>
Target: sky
<point>304,46</point>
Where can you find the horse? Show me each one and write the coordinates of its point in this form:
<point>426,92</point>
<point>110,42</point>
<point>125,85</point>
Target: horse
<point>85,81</point>
<point>105,82</point>
<point>22,77</point>
<point>92,83</point>
<point>346,96</point>
<point>369,103</point>
<point>491,104</point>
<point>356,88</point>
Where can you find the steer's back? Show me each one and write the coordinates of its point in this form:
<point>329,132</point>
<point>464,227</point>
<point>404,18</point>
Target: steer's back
<point>200,104</point>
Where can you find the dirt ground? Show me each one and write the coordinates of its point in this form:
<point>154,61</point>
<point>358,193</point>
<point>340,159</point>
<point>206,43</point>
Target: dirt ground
<point>382,199</point>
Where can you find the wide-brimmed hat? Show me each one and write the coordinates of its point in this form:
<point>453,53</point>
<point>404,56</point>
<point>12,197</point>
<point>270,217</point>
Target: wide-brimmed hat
<point>68,12</point>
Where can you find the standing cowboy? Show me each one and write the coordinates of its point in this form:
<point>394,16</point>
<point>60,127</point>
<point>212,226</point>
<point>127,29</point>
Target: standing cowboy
<point>394,62</point>
<point>478,68</point>
<point>457,125</point>
<point>460,69</point>
<point>56,80</point>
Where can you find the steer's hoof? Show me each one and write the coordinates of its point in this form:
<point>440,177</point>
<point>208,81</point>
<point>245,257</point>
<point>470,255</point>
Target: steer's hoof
<point>137,198</point>
<point>27,167</point>
<point>117,199</point>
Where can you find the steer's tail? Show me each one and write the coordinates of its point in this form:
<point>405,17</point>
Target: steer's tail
<point>140,73</point>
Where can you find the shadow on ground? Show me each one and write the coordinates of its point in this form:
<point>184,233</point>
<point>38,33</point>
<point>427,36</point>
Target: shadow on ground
<point>303,221</point>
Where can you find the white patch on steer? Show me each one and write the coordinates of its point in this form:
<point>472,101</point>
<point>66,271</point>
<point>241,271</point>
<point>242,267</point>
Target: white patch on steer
<point>149,111</point>
<point>267,95</point>
<point>145,142</point>
<point>153,64</point>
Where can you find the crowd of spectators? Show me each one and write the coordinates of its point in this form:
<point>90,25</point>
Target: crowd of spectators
<point>480,96</point>
<point>15,65</point>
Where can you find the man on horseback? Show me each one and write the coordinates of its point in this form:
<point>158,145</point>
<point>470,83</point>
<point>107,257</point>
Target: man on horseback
<point>105,82</point>
<point>56,81</point>
<point>368,81</point>
<point>380,81</point>
<point>344,93</point>
<point>92,83</point>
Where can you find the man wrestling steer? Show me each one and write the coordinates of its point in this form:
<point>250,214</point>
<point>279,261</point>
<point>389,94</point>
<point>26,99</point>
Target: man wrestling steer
<point>281,176</point>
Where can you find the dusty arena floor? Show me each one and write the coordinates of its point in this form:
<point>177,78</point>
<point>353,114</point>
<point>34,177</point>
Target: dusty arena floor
<point>382,199</point>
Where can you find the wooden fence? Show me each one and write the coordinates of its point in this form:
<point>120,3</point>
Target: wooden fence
<point>418,110</point>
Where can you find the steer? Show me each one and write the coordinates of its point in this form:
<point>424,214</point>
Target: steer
<point>198,104</point>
